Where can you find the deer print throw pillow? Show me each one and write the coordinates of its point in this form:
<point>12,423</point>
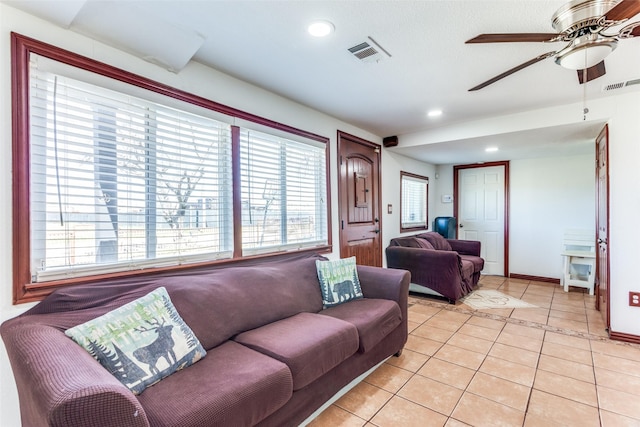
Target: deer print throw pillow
<point>338,281</point>
<point>141,342</point>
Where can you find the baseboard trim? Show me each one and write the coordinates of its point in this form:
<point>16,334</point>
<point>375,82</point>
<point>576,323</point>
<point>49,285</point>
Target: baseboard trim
<point>535,278</point>
<point>619,336</point>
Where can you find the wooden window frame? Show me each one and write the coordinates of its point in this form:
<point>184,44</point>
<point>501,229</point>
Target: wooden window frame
<point>24,289</point>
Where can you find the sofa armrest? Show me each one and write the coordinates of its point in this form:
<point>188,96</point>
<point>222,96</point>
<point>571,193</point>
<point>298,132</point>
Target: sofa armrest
<point>384,283</point>
<point>465,247</point>
<point>61,384</point>
<point>377,282</point>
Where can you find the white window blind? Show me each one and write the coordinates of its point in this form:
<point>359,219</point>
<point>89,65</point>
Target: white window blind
<point>121,183</point>
<point>414,202</point>
<point>283,193</point>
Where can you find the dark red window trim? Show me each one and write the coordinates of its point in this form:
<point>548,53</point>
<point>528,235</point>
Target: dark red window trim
<point>21,48</point>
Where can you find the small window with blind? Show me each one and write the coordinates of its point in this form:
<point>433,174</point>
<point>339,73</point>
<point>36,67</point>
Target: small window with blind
<point>115,174</point>
<point>414,196</point>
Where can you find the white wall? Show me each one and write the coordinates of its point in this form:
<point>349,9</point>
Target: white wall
<point>444,187</point>
<point>547,196</point>
<point>624,206</point>
<point>392,164</point>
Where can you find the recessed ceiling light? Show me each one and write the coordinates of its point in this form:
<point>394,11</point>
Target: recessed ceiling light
<point>320,28</point>
<point>491,149</point>
<point>434,113</point>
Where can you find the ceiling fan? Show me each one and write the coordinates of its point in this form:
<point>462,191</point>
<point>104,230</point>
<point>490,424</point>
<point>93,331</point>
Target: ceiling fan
<point>583,24</point>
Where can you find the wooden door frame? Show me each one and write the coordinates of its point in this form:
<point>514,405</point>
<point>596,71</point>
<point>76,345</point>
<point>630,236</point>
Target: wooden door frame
<point>456,189</point>
<point>361,141</point>
<point>604,134</point>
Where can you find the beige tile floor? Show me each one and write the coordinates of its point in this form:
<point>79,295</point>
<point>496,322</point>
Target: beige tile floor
<point>545,366</point>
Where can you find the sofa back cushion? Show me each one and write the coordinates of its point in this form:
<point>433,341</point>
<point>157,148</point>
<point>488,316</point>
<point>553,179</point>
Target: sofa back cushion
<point>437,241</point>
<point>222,303</point>
<point>216,303</point>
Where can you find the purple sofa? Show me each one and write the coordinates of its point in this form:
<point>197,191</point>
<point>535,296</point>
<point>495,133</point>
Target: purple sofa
<point>449,267</point>
<point>274,356</point>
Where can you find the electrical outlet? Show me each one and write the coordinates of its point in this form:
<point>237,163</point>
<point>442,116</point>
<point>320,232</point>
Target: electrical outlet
<point>634,299</point>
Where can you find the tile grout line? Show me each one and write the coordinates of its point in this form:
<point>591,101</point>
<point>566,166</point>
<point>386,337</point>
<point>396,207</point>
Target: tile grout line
<point>521,322</point>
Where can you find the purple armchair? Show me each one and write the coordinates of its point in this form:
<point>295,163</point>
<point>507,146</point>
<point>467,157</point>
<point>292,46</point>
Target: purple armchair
<point>449,267</point>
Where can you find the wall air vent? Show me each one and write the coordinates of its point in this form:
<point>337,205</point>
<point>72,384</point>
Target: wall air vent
<point>620,85</point>
<point>369,51</point>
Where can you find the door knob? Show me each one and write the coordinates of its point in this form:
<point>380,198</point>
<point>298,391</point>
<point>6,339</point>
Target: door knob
<point>461,226</point>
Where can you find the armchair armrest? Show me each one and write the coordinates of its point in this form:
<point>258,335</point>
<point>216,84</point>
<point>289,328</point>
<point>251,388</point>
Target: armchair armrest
<point>465,247</point>
<point>61,384</point>
<point>437,270</point>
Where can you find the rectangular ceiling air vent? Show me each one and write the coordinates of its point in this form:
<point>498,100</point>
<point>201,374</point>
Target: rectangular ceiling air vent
<point>620,85</point>
<point>369,52</point>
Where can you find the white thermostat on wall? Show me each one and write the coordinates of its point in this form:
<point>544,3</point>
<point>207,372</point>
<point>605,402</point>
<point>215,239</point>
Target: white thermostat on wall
<point>447,198</point>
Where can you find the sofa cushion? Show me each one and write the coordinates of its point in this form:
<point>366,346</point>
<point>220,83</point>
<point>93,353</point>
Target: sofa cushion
<point>438,242</point>
<point>338,281</point>
<point>232,386</point>
<point>374,319</point>
<point>309,344</point>
<point>478,263</point>
<point>411,242</point>
<point>141,342</point>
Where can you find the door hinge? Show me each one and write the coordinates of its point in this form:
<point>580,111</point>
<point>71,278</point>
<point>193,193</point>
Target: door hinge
<point>342,224</point>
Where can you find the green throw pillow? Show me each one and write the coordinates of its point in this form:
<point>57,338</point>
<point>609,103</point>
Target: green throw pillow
<point>338,281</point>
<point>141,342</point>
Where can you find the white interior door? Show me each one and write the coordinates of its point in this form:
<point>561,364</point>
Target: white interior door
<point>481,198</point>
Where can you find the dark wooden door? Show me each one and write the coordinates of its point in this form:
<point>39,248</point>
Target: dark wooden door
<point>602,220</point>
<point>359,200</point>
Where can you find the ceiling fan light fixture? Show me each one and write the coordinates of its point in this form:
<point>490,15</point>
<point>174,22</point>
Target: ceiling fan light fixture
<point>581,54</point>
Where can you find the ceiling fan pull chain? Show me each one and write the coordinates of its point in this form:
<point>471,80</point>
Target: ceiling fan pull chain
<point>585,110</point>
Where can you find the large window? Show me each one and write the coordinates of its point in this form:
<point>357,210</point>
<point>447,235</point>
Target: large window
<point>120,182</point>
<point>414,194</point>
<point>115,174</point>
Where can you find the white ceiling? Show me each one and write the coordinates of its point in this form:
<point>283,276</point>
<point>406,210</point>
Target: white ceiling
<point>265,43</point>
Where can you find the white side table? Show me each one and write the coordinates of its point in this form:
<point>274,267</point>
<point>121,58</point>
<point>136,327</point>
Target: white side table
<point>579,270</point>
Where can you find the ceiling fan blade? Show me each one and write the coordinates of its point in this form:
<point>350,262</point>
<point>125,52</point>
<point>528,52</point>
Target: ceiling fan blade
<point>513,70</point>
<point>624,10</point>
<point>591,73</point>
<point>513,37</point>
